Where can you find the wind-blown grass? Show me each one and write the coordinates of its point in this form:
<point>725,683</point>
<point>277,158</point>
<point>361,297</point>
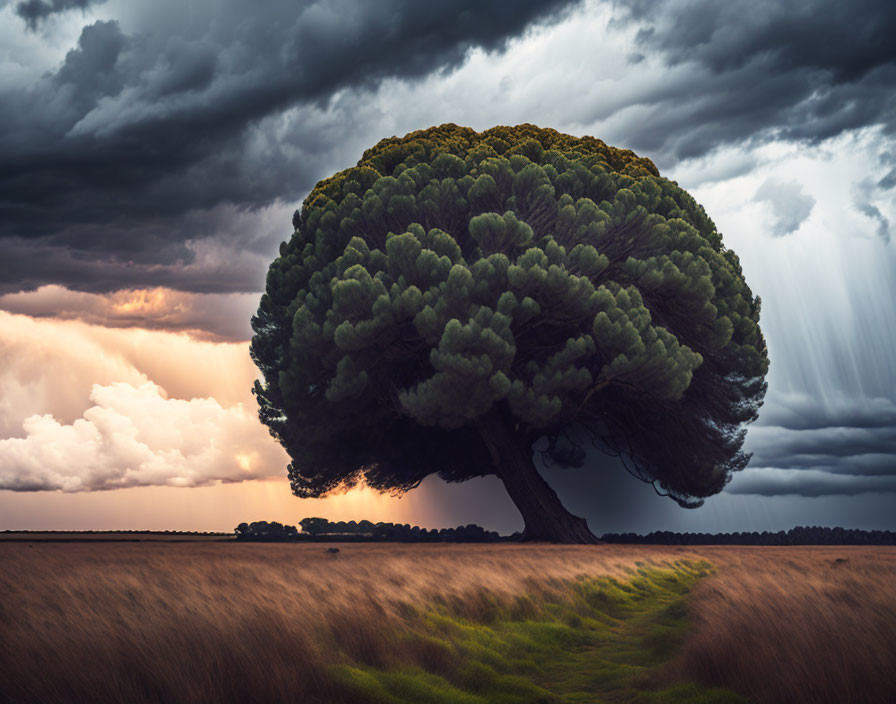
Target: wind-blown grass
<point>797,625</point>
<point>584,640</point>
<point>208,622</point>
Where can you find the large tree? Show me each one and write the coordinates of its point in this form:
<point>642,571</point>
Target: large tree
<point>458,297</point>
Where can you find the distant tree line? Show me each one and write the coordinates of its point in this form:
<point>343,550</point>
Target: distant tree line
<point>320,529</point>
<point>801,535</point>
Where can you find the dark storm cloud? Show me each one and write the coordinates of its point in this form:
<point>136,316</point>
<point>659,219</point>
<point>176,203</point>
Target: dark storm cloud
<point>793,70</point>
<point>801,447</point>
<point>803,483</point>
<point>171,113</point>
<point>888,181</point>
<point>218,250</point>
<point>102,156</point>
<point>790,206</point>
<point>206,267</point>
<point>838,450</point>
<point>34,11</point>
<point>806,412</point>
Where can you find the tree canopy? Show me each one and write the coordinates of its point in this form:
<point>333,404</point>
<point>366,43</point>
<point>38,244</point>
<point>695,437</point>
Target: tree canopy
<point>555,283</point>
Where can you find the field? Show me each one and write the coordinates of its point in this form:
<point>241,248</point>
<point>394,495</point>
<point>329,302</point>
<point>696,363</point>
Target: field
<point>224,622</point>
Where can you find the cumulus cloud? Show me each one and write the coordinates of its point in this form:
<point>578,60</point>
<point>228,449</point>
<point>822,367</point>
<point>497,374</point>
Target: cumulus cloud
<point>789,205</point>
<point>88,407</point>
<point>50,366</point>
<point>214,317</point>
<point>137,436</point>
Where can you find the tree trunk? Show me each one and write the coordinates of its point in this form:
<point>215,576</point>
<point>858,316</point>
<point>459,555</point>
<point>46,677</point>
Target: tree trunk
<point>543,514</point>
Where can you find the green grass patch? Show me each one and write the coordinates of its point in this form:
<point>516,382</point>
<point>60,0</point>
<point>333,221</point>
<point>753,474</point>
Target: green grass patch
<point>593,639</point>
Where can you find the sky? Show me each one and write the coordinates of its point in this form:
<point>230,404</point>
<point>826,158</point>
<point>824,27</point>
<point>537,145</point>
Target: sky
<point>152,155</point>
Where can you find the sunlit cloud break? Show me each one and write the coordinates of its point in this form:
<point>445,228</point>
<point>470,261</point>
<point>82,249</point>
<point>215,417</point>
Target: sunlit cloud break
<point>137,436</point>
<point>207,316</point>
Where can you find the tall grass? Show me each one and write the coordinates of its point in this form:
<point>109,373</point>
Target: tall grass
<point>230,622</point>
<point>207,622</point>
<point>797,625</point>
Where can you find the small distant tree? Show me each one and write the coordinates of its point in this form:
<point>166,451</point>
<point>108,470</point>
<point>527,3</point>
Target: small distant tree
<point>458,297</point>
<point>315,526</point>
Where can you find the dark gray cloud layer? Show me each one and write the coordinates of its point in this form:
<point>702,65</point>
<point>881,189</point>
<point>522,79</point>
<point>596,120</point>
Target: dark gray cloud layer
<point>811,484</point>
<point>35,11</point>
<point>101,158</point>
<point>805,70</point>
<point>804,447</point>
<point>135,129</point>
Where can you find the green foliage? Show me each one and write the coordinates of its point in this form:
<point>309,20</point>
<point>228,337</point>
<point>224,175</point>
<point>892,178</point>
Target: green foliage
<point>591,639</point>
<point>453,272</point>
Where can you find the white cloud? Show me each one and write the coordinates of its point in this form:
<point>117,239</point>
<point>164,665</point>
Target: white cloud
<point>88,407</point>
<point>136,436</point>
<point>789,205</point>
<point>49,366</point>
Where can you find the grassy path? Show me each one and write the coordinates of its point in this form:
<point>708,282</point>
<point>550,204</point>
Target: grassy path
<point>588,640</point>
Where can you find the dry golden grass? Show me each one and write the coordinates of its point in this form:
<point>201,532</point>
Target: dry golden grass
<point>794,625</point>
<point>128,622</point>
<point>224,622</point>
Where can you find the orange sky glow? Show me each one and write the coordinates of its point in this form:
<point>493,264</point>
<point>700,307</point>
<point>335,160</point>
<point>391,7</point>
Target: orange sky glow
<point>87,406</point>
